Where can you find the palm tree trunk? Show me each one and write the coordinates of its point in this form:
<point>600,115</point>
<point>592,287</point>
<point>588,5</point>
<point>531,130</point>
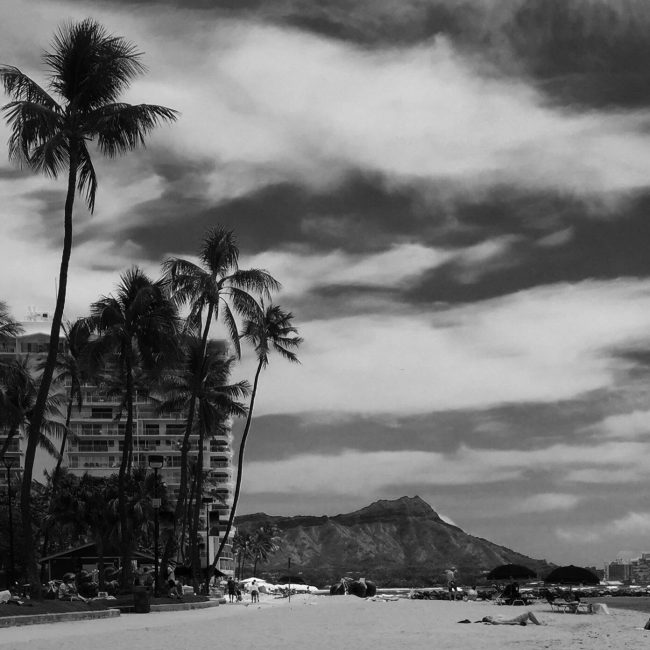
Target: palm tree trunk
<point>194,532</point>
<point>240,467</point>
<point>125,537</point>
<point>53,487</point>
<point>44,386</point>
<point>181,503</point>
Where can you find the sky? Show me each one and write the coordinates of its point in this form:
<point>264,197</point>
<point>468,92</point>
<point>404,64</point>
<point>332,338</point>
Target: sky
<point>454,196</point>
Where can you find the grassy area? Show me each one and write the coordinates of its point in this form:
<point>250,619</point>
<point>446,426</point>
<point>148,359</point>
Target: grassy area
<point>32,607</point>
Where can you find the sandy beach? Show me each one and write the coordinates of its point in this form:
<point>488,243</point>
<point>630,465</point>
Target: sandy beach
<point>316,622</point>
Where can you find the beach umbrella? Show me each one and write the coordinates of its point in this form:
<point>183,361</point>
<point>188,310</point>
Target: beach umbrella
<point>572,575</point>
<point>514,571</point>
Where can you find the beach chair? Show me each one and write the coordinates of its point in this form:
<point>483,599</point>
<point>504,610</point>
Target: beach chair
<point>558,605</point>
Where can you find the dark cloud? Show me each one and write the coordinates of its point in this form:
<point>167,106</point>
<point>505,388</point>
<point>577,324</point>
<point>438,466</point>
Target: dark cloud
<point>363,214</point>
<point>525,426</point>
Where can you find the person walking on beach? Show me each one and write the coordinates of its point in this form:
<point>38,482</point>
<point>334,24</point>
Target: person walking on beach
<point>232,592</point>
<point>450,574</point>
<point>255,594</point>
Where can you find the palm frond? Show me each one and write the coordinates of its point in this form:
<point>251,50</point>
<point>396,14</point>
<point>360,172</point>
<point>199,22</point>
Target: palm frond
<point>256,280</point>
<point>231,326</point>
<point>120,128</point>
<point>23,89</point>
<point>87,181</point>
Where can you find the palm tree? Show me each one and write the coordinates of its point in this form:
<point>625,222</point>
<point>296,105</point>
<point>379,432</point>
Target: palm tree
<point>18,395</point>
<point>70,369</point>
<point>263,544</point>
<point>9,328</point>
<point>214,286</point>
<point>271,330</point>
<point>88,70</point>
<point>135,328</point>
<point>215,403</point>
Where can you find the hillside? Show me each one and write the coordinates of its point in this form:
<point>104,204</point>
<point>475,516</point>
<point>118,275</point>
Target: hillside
<point>400,542</point>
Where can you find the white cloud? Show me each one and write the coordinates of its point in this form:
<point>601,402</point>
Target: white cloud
<point>544,344</point>
<point>633,523</point>
<point>635,424</point>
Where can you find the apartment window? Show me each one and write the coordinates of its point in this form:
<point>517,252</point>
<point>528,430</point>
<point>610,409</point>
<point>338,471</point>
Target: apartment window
<point>151,429</point>
<point>101,412</point>
<point>175,429</point>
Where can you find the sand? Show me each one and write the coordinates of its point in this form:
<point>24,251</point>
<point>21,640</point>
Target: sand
<point>315,622</point>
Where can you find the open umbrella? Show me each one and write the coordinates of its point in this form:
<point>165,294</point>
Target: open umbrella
<point>572,575</point>
<point>511,571</point>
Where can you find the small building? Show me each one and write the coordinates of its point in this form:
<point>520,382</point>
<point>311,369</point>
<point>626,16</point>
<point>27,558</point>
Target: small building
<point>84,558</point>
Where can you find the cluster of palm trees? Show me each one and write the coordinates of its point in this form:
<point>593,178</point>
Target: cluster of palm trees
<point>256,547</point>
<point>136,336</point>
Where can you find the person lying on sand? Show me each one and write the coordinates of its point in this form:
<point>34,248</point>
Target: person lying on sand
<point>522,619</point>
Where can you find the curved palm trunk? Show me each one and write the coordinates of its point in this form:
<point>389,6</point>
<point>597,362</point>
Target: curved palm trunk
<point>125,536</point>
<point>55,480</point>
<point>240,466</point>
<point>181,509</point>
<point>44,386</point>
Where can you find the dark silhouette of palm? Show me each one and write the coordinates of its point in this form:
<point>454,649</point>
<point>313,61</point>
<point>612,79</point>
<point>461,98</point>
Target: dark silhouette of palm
<point>137,328</point>
<point>270,331</point>
<point>216,402</point>
<point>218,287</point>
<point>88,70</point>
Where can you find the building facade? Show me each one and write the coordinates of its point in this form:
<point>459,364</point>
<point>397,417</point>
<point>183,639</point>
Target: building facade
<point>97,444</point>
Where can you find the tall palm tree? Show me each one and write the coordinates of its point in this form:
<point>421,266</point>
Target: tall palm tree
<point>215,403</point>
<point>270,331</point>
<point>50,131</point>
<point>137,327</point>
<point>218,287</point>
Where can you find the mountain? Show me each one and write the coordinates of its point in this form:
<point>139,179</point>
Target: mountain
<point>400,542</point>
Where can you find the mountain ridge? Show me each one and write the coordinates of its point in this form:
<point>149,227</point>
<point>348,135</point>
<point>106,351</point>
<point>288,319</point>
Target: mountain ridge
<point>401,541</point>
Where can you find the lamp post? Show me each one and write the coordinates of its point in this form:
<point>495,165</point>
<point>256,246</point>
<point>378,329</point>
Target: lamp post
<point>9,462</point>
<point>207,501</point>
<point>155,462</point>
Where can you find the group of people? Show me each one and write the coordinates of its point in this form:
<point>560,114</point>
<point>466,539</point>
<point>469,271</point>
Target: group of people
<point>235,594</point>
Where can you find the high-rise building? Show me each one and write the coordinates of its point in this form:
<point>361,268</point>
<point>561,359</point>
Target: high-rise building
<point>97,443</point>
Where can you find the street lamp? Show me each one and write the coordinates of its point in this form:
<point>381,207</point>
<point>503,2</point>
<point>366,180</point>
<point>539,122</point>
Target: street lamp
<point>9,462</point>
<point>156,463</point>
<point>207,501</point>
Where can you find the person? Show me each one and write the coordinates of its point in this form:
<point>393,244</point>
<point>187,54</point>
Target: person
<point>472,593</point>
<point>511,593</point>
<point>232,591</point>
<point>522,619</point>
<point>255,594</point>
<point>68,590</point>
<point>450,574</point>
<point>175,588</point>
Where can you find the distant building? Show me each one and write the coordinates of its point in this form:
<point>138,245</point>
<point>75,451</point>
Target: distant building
<point>640,569</point>
<point>618,570</point>
<point>98,428</point>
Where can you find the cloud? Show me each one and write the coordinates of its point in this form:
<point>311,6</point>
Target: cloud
<point>632,425</point>
<point>542,345</point>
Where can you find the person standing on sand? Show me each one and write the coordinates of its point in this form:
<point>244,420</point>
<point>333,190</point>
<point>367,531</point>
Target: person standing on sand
<point>450,574</point>
<point>232,592</point>
<point>255,594</point>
